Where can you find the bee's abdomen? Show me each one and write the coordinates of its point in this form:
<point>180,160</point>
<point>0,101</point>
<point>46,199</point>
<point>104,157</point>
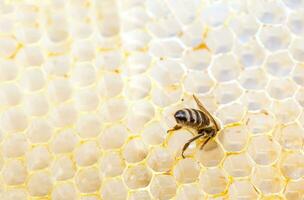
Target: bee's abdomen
<point>192,117</point>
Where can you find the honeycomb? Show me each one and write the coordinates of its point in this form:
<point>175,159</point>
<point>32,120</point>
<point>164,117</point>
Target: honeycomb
<point>88,89</point>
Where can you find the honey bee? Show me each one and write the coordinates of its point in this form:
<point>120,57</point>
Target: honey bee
<point>200,120</point>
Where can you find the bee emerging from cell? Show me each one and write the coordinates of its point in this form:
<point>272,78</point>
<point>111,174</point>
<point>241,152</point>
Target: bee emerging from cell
<point>200,120</point>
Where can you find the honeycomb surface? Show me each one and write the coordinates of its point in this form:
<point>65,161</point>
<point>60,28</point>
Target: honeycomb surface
<point>88,90</point>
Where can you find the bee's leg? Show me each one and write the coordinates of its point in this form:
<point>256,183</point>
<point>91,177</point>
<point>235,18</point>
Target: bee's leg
<point>209,136</point>
<point>189,142</point>
<point>175,128</point>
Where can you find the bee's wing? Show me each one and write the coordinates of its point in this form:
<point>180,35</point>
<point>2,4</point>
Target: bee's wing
<point>202,108</point>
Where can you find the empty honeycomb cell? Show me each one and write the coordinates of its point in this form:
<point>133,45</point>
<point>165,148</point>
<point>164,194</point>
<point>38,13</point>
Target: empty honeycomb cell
<point>135,150</point>
<point>64,142</point>
<point>297,50</point>
<point>39,184</point>
<point>225,68</point>
<point>63,168</point>
<point>14,172</point>
<point>160,159</point>
<point>231,113</point>
<point>255,100</point>
<point>267,179</point>
<point>163,187</point>
<point>60,90</point>
<point>134,16</point>
<point>264,150</point>
<point>197,60</point>
<point>10,94</point>
<point>15,193</point>
<point>136,39</point>
<point>242,189</point>
<point>189,191</point>
<point>227,92</point>
<point>138,87</point>
<point>88,180</point>
<point>238,165</point>
<point>83,74</point>
<point>213,181</point>
<point>250,54</point>
<point>215,14</point>
<point>186,171</point>
<point>192,34</point>
<point>33,79</point>
<point>292,165</point>
<point>167,72</point>
<point>113,137</point>
<point>30,56</point>
<point>137,63</point>
<point>157,9</point>
<point>8,46</point>
<point>281,88</point>
<point>213,40</point>
<point>8,70</point>
<point>113,189</point>
<point>28,35</point>
<point>65,191</point>
<point>81,30</point>
<point>274,38</point>
<point>198,82</point>
<point>64,115</point>
<point>14,120</point>
<point>166,48</point>
<point>154,133</point>
<point>83,50</point>
<point>15,145</point>
<point>110,85</point>
<point>109,60</point>
<point>57,65</point>
<point>112,164</point>
<point>244,27</point>
<point>286,111</point>
<point>261,122</point>
<point>298,74</point>
<point>253,79</point>
<point>140,195</point>
<point>294,4</point>
<point>113,109</point>
<point>234,138</point>
<point>166,96</point>
<point>86,100</point>
<point>211,155</point>
<point>137,176</point>
<point>86,154</point>
<point>295,23</point>
<point>38,158</point>
<point>57,33</point>
<point>36,104</point>
<point>183,11</point>
<point>177,140</point>
<point>290,136</point>
<point>269,12</point>
<point>89,126</point>
<point>294,190</point>
<point>279,64</point>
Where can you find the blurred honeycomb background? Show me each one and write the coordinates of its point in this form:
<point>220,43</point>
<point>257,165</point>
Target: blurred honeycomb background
<point>88,89</point>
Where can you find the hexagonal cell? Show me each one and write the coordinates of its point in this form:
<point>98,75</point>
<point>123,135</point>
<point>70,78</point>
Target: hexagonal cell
<point>14,193</point>
<point>234,138</point>
<point>113,189</point>
<point>261,122</point>
<point>113,109</point>
<point>190,191</point>
<point>267,179</point>
<point>135,150</point>
<point>295,23</point>
<point>263,150</point>
<point>255,100</point>
<point>290,136</point>
<point>215,14</point>
<point>292,165</point>
<point>253,79</point>
<point>211,155</point>
<point>86,99</point>
<point>192,34</point>
<point>89,126</point>
<point>14,120</point>
<point>183,10</point>
<point>250,54</point>
<point>215,35</point>
<point>231,113</point>
<point>197,60</point>
<point>238,165</point>
<point>225,68</point>
<point>296,49</point>
<point>198,82</point>
<point>279,64</point>
<point>64,191</point>
<point>242,189</point>
<point>36,105</point>
<point>281,88</point>
<point>286,111</point>
<point>10,94</point>
<point>298,74</point>
<point>138,87</point>
<point>163,187</point>
<point>269,12</point>
<point>110,85</point>
<point>8,70</point>
<point>137,176</point>
<point>213,181</point>
<point>15,145</point>
<point>9,46</point>
<point>88,180</point>
<point>83,50</point>
<point>274,38</point>
<point>160,159</point>
<point>39,184</point>
<point>57,65</point>
<point>64,115</point>
<point>167,96</point>
<point>113,137</point>
<point>140,195</point>
<point>137,62</point>
<point>14,172</point>
<point>63,168</point>
<point>137,39</point>
<point>112,164</point>
<point>33,79</point>
<point>154,133</point>
<point>227,92</point>
<point>38,158</point>
<point>295,190</point>
<point>86,154</point>
<point>164,27</point>
<point>60,90</point>
<point>177,140</point>
<point>186,170</point>
<point>294,4</point>
<point>170,48</point>
<point>64,142</point>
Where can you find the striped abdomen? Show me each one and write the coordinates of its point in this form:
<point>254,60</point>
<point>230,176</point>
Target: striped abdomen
<point>192,118</point>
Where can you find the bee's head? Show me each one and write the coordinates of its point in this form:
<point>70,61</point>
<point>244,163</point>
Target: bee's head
<point>180,116</point>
